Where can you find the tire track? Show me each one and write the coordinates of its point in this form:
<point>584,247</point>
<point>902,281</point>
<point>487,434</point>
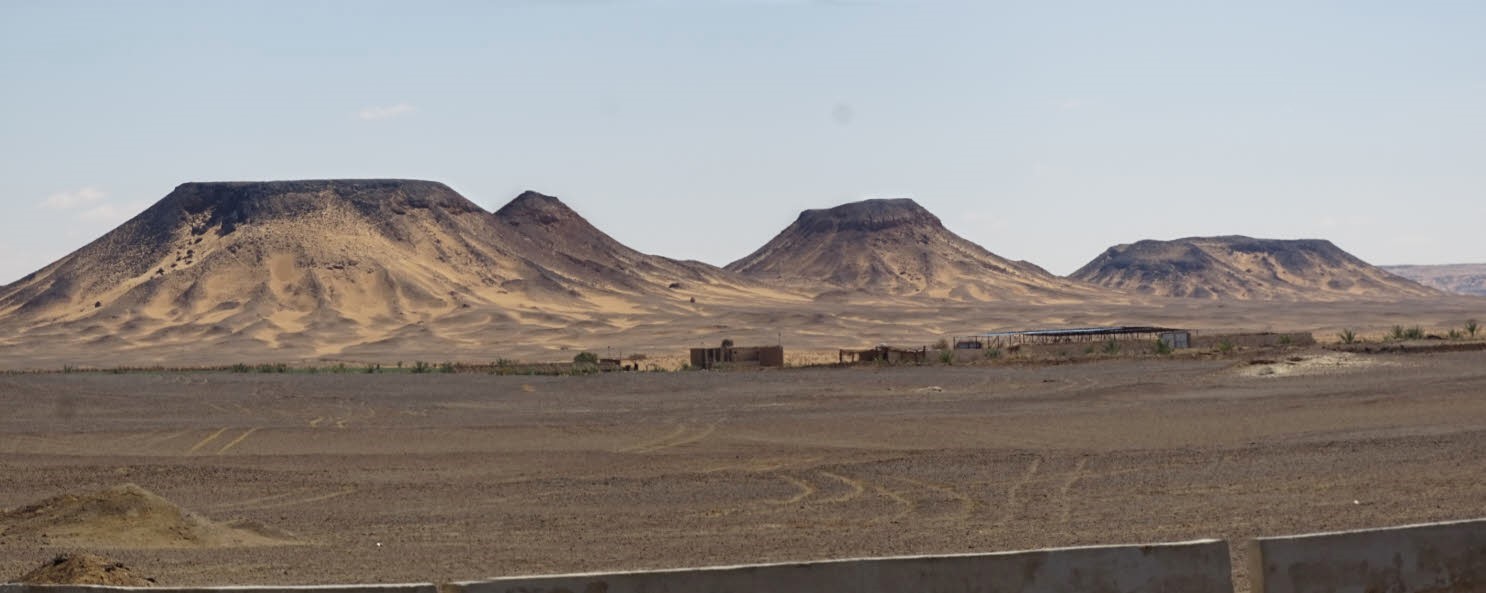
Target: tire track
<point>204,442</point>
<point>250,502</point>
<point>857,488</point>
<point>1073,478</point>
<point>639,448</point>
<point>162,440</point>
<point>908,506</point>
<point>289,503</point>
<point>1012,493</point>
<point>967,504</point>
<point>240,438</point>
<point>805,490</point>
<point>677,438</point>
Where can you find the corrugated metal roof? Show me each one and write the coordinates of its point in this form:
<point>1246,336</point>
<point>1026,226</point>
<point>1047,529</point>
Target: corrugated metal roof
<point>1085,331</point>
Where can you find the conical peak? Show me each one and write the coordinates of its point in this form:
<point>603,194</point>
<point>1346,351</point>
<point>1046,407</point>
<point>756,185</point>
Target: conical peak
<point>868,215</point>
<point>535,208</point>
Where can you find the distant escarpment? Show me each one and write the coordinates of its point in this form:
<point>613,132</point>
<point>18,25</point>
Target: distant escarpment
<point>1467,279</point>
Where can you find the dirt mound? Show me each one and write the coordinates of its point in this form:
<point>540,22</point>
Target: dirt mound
<point>1245,268</point>
<point>895,247</point>
<point>84,569</point>
<point>1467,279</point>
<point>125,516</point>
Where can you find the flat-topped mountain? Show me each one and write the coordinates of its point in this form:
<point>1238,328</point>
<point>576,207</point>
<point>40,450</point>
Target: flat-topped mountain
<point>1236,267</point>
<point>1467,279</point>
<point>338,266</point>
<point>893,247</point>
<point>311,263</point>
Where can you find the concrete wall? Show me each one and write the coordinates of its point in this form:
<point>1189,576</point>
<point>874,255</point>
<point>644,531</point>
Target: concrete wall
<point>769,356</point>
<point>403,588</point>
<point>1193,567</point>
<point>1434,558</point>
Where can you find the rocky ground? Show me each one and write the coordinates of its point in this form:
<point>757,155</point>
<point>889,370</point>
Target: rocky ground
<point>401,477</point>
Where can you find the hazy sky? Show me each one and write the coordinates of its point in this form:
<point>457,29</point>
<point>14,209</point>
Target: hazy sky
<point>1045,131</point>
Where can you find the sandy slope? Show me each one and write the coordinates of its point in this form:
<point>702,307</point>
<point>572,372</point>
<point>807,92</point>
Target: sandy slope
<point>323,268</point>
<point>1245,268</point>
<point>552,235</point>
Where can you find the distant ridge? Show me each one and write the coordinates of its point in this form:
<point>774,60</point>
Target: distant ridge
<point>894,247</point>
<point>1244,268</point>
<point>1467,279</point>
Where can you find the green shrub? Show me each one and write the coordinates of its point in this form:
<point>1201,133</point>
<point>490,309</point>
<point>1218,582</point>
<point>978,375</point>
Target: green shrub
<point>1162,347</point>
<point>1471,327</point>
<point>241,368</point>
<point>991,353</point>
<point>421,367</point>
<point>1111,347</point>
<point>1401,333</point>
<point>586,357</point>
<point>447,367</point>
<point>1225,346</point>
<point>1455,334</point>
<point>947,356</point>
<point>1286,340</point>
<point>1347,336</point>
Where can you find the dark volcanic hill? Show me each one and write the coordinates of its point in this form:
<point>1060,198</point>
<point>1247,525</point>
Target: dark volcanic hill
<point>306,268</point>
<point>894,247</point>
<point>1244,268</point>
<point>1467,279</point>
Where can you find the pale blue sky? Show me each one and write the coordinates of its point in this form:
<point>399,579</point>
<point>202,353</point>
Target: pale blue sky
<point>1044,131</point>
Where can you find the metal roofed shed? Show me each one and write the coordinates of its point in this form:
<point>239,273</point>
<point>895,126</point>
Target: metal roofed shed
<point>1172,337</point>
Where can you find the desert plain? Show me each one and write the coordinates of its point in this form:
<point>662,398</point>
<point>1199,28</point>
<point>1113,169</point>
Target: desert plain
<point>127,434</point>
<point>414,477</point>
